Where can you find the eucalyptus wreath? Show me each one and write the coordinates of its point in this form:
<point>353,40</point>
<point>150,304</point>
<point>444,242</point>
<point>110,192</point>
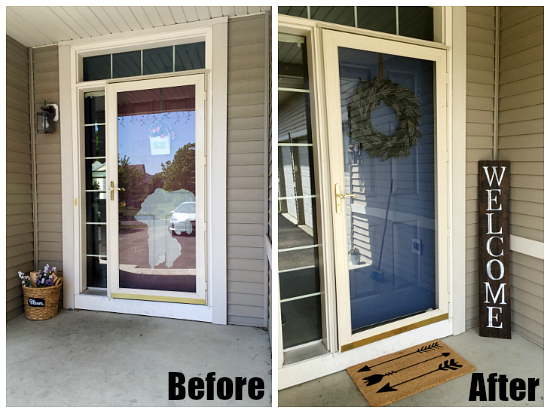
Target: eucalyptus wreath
<point>365,100</point>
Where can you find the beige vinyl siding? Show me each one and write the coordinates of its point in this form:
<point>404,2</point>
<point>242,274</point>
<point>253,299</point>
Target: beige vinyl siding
<point>19,200</point>
<point>246,171</point>
<point>269,186</point>
<point>48,161</point>
<point>521,140</point>
<point>480,84</point>
<point>527,294</point>
<point>521,116</point>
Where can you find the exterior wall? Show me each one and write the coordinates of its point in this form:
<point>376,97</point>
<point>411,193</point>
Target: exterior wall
<point>480,87</point>
<point>246,206</point>
<point>521,140</point>
<point>19,201</point>
<point>48,161</point>
<point>270,188</point>
<point>246,171</point>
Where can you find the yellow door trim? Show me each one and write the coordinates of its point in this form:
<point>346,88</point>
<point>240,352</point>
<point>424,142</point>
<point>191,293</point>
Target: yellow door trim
<point>183,300</point>
<point>393,332</point>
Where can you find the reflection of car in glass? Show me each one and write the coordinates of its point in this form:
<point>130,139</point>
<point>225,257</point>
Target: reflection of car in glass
<point>183,219</point>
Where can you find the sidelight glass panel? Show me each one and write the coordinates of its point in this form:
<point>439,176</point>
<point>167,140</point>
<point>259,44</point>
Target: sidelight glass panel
<point>95,174</point>
<point>95,225</point>
<point>96,240</point>
<point>95,206</point>
<point>156,175</point>
<point>96,270</point>
<point>387,105</point>
<point>292,70</point>
<point>94,144</point>
<point>94,108</point>
<point>298,248</point>
<point>301,321</point>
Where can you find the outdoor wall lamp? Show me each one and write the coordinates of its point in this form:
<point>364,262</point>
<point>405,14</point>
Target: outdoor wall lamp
<point>45,119</point>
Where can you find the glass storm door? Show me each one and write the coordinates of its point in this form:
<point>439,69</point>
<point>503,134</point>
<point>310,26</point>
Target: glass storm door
<point>386,159</point>
<point>156,189</point>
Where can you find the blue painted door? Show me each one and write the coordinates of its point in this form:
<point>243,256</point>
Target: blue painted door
<point>387,106</point>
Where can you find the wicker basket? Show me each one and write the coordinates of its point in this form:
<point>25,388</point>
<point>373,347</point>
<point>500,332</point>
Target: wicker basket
<point>41,303</point>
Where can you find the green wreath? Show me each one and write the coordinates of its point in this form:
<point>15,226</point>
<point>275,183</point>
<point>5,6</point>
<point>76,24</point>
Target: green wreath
<point>365,100</point>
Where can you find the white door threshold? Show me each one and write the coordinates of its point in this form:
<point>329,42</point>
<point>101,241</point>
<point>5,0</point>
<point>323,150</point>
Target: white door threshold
<point>141,307</point>
<point>320,366</point>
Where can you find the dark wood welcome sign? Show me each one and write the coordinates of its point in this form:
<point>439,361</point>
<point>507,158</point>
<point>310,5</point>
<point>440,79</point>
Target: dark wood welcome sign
<point>494,249</point>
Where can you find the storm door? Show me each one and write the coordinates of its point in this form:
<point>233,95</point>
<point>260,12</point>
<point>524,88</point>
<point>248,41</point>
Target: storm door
<point>386,114</point>
<point>155,189</point>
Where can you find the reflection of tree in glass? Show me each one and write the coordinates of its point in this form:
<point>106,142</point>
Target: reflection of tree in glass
<point>180,173</point>
<point>131,179</point>
<point>156,181</point>
<point>96,140</point>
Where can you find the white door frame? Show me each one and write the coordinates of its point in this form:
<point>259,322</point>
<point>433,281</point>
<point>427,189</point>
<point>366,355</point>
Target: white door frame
<point>331,41</point>
<point>214,33</point>
<point>113,288</point>
<point>450,35</point>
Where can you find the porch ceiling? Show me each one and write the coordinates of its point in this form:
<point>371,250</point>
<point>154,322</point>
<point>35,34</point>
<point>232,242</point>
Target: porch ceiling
<point>40,26</point>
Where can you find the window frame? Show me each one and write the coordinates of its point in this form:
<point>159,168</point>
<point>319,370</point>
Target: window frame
<point>331,41</point>
<point>450,35</point>
<point>71,90</point>
<point>438,24</point>
<point>113,285</point>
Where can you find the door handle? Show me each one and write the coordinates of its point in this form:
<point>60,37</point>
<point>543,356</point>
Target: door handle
<point>339,196</point>
<point>113,189</point>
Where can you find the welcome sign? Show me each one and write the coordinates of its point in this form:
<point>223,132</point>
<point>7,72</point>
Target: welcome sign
<point>494,249</point>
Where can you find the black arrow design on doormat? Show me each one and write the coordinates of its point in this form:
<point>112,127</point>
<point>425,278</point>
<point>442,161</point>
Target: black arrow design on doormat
<point>376,378</point>
<point>446,365</point>
<point>423,349</point>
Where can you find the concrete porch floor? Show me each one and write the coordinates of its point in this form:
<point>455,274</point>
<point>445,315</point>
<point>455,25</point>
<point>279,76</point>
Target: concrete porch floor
<point>517,358</point>
<point>88,358</point>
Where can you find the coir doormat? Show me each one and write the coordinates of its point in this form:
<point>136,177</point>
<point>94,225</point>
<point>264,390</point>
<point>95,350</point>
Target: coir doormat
<point>395,376</point>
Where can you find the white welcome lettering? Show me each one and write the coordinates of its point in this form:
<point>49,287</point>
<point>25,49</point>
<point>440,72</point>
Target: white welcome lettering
<point>494,316</point>
<point>490,229</point>
<point>490,179</point>
<point>489,200</point>
<point>489,247</point>
<point>500,291</point>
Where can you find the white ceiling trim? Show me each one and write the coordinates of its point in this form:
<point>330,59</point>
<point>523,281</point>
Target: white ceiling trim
<point>35,26</point>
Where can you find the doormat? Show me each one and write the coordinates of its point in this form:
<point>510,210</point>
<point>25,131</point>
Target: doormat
<point>395,376</point>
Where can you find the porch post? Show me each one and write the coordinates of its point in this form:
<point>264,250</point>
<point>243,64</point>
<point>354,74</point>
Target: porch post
<point>66,104</point>
<point>217,177</point>
<point>457,23</point>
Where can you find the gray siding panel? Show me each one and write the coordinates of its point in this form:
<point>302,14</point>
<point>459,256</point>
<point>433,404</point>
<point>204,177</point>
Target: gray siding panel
<point>520,140</point>
<point>521,121</point>
<point>245,170</point>
<point>270,189</point>
<point>480,86</point>
<point>19,225</point>
<point>48,162</point>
